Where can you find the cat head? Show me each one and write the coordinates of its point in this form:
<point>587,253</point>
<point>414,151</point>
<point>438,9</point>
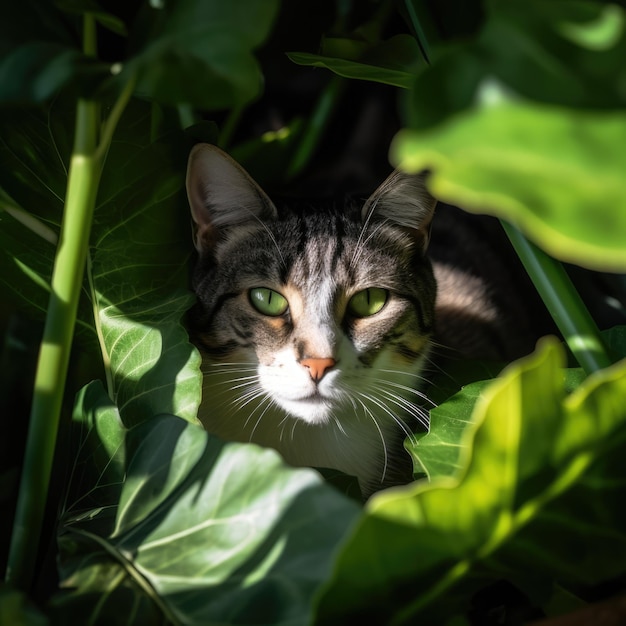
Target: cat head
<point>316,310</point>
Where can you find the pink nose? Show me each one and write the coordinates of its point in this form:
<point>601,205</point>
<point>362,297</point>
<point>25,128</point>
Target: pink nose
<point>318,367</point>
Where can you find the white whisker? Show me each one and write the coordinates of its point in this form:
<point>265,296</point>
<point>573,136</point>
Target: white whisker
<point>381,405</point>
<point>369,414</point>
<point>270,403</point>
<point>339,424</point>
<point>406,388</point>
<point>409,407</point>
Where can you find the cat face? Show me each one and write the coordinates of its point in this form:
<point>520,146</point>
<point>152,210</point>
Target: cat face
<point>319,315</point>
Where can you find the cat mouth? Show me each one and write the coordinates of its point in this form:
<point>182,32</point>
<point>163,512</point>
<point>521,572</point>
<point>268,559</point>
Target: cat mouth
<point>313,408</point>
<point>315,396</point>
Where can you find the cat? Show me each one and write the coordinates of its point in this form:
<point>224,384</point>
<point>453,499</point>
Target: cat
<point>316,323</point>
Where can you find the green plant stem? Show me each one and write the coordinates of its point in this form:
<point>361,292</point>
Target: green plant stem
<point>67,276</point>
<point>88,156</point>
<point>229,127</point>
<point>563,302</point>
<point>314,129</point>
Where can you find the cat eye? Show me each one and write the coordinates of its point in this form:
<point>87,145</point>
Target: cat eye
<point>268,301</point>
<point>367,302</point>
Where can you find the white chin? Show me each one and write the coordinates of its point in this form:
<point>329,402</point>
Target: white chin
<point>314,411</point>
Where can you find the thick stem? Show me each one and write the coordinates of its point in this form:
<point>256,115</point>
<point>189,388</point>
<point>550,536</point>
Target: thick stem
<point>67,276</point>
<point>564,303</point>
<point>86,164</point>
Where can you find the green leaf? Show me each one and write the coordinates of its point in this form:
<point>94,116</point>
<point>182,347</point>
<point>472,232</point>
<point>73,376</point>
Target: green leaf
<point>40,54</point>
<point>545,470</point>
<point>43,69</point>
<point>199,52</point>
<point>137,281</point>
<point>440,451</point>
<point>205,533</point>
<point>102,436</point>
<point>393,62</point>
<point>138,275</point>
<point>525,121</point>
<point>549,64</point>
<point>556,173</point>
<point>34,157</point>
<point>561,53</point>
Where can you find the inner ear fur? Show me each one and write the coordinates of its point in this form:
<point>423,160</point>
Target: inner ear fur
<point>403,200</point>
<point>221,195</point>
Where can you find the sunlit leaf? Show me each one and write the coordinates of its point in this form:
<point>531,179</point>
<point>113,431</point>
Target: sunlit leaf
<point>556,173</point>
<point>140,283</point>
<point>545,470</point>
<point>205,532</point>
<point>440,452</point>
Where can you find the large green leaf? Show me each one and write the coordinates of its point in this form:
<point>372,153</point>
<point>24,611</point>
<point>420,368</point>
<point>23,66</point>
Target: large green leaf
<point>196,52</point>
<point>99,465</point>
<point>525,121</point>
<point>199,51</point>
<point>443,450</point>
<point>556,173</point>
<point>544,481</point>
<point>39,54</point>
<point>562,53</point>
<point>567,53</point>
<point>137,280</point>
<point>204,532</point>
<point>139,277</point>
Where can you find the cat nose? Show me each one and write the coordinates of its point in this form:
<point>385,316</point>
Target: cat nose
<point>318,367</point>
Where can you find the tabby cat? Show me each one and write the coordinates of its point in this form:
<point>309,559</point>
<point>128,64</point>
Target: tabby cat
<point>316,323</point>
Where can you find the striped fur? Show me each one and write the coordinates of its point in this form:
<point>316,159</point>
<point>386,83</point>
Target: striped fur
<point>256,387</point>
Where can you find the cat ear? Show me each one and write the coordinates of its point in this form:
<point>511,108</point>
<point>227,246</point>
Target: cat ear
<point>221,194</point>
<point>403,200</point>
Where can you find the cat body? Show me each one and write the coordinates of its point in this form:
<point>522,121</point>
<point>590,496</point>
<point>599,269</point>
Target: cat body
<point>316,322</point>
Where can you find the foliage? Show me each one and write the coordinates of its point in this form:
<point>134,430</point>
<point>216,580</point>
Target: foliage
<point>517,109</point>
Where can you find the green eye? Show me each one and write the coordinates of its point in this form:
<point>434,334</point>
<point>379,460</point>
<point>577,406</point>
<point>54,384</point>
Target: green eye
<point>367,302</point>
<point>268,301</point>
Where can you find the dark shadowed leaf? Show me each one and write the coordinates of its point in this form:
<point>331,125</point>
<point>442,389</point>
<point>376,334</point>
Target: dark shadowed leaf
<point>200,52</point>
<point>44,68</point>
<point>106,18</point>
<point>34,156</point>
<point>17,608</point>
<point>561,53</point>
